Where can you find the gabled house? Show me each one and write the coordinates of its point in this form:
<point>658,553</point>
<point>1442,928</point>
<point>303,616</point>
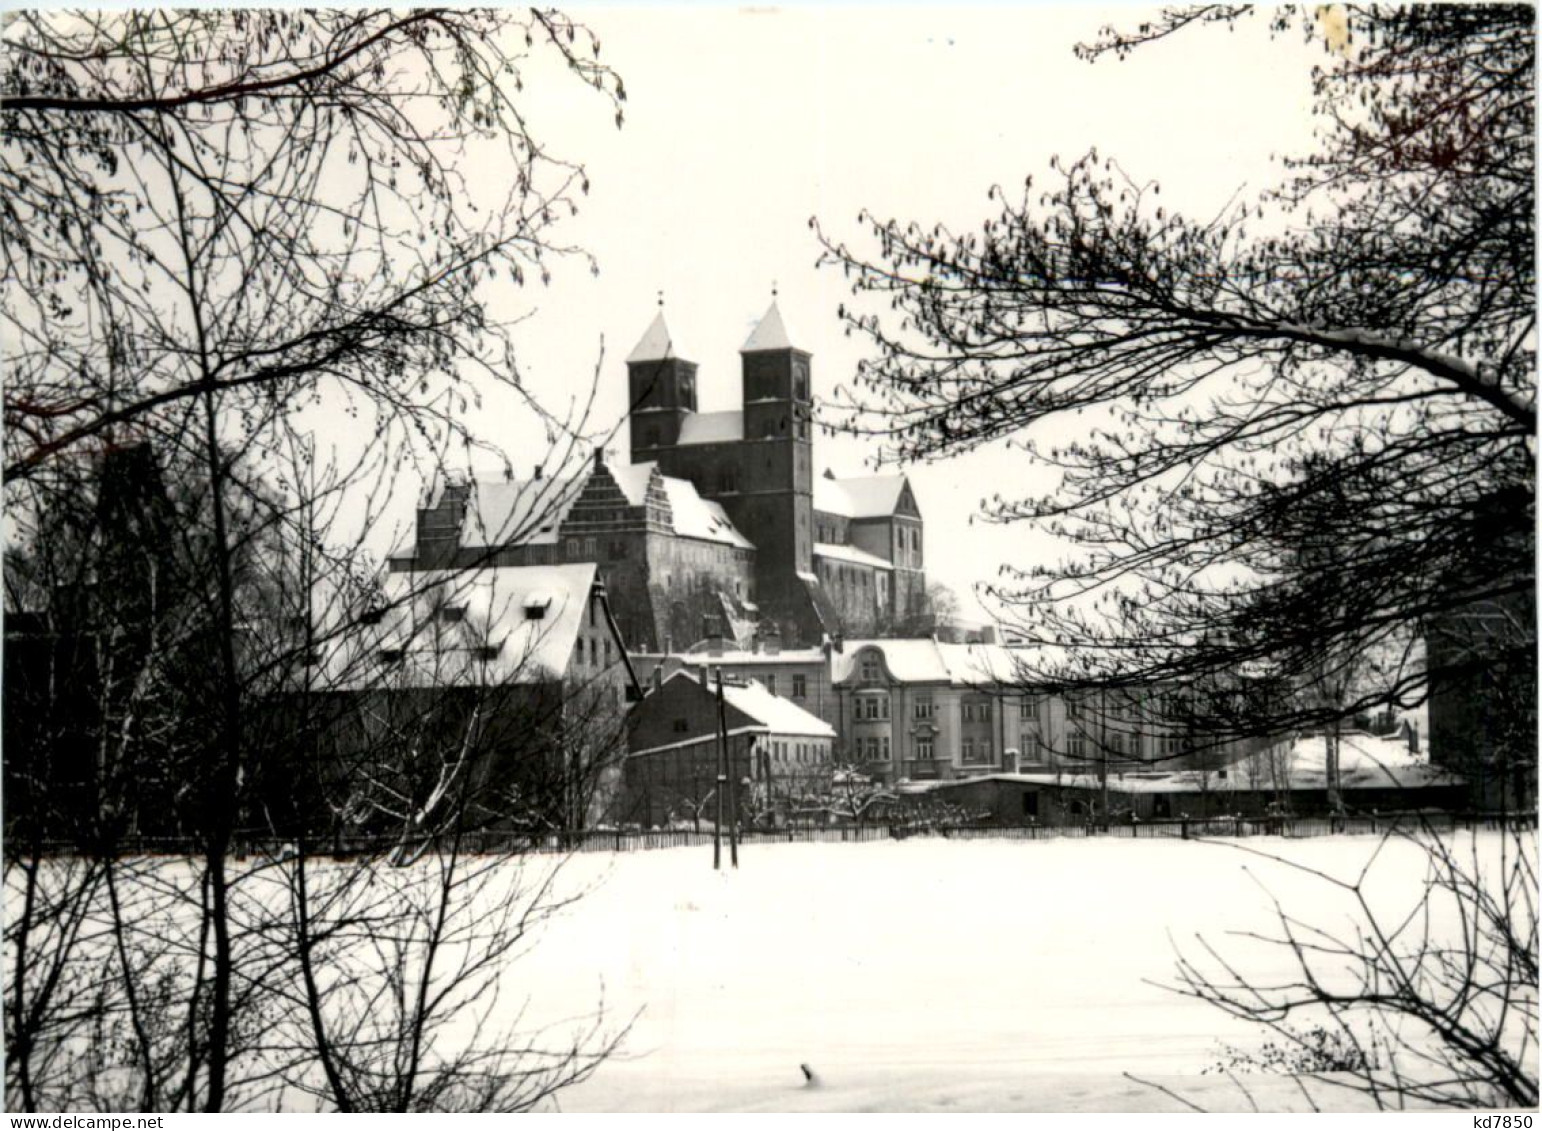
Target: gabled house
<point>494,697</point>
<point>776,751</point>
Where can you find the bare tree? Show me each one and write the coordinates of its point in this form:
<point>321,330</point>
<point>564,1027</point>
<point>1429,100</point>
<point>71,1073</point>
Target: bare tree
<point>212,221</point>
<point>1345,361</point>
<point>1427,996</point>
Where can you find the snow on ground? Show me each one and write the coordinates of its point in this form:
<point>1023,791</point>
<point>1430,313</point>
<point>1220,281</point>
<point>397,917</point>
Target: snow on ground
<point>926,974</point>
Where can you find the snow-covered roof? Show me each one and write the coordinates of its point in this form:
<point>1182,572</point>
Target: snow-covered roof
<point>1365,762</point>
<point>656,344</point>
<point>778,715</point>
<point>909,661</point>
<point>633,478</point>
<point>696,517</point>
<point>530,512</point>
<point>488,627</point>
<point>850,554</point>
<point>924,660</point>
<point>868,496</point>
<point>523,511</point>
<point>770,334</point>
<point>701,656</point>
<point>712,427</point>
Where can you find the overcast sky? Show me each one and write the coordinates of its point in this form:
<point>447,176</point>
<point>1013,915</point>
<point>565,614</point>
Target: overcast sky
<point>744,123</point>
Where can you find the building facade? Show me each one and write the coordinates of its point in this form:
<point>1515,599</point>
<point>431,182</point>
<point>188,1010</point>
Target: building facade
<point>776,753</point>
<point>717,518</point>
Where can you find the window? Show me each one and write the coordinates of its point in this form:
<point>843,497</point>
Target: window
<point>977,712</point>
<point>799,687</point>
<point>872,671</point>
<point>575,547</point>
<point>771,683</point>
<point>1028,709</point>
<point>968,749</point>
<point>1073,708</point>
<point>651,436</point>
<point>924,749</point>
<point>1076,745</point>
<point>924,708</point>
<point>1031,746</point>
<point>883,748</point>
<point>681,726</point>
<point>872,707</point>
<point>1170,745</point>
<point>607,652</point>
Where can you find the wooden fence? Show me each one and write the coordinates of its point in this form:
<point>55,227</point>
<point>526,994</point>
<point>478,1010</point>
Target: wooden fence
<point>504,842</point>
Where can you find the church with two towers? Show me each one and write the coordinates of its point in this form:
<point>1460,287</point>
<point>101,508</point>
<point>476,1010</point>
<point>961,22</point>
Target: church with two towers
<point>718,523</point>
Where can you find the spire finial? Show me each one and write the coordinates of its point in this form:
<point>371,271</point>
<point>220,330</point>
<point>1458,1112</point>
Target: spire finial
<point>773,290</point>
<point>661,299</point>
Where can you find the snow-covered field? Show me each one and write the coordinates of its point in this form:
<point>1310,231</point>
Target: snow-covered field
<point>928,974</point>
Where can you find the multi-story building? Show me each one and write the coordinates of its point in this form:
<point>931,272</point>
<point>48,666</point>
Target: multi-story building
<point>918,709</point>
<point>718,514</point>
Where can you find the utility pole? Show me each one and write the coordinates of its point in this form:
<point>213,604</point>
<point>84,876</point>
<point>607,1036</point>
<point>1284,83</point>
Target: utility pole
<point>725,777</point>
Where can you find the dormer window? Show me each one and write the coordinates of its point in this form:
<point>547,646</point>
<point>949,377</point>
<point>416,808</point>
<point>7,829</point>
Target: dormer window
<point>488,652</point>
<point>391,655</point>
<point>452,614</point>
<point>536,605</point>
<point>872,670</point>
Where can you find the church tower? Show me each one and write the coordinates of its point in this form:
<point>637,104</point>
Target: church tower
<point>662,387</point>
<point>777,512</point>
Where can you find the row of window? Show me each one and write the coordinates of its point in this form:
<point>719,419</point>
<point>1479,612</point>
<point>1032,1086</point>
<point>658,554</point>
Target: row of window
<point>1031,747</point>
<point>981,711</point>
<point>592,652</point>
<point>799,685</point>
<point>802,753</point>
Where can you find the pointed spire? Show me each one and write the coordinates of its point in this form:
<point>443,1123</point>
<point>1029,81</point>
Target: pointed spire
<point>656,344</point>
<point>770,334</point>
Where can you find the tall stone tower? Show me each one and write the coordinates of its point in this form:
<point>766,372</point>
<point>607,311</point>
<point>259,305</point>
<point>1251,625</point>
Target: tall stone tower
<point>775,506</point>
<point>662,387</point>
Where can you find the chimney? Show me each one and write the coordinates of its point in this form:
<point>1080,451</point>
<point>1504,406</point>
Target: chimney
<point>657,678</point>
<point>599,457</point>
<point>773,641</point>
<point>537,471</point>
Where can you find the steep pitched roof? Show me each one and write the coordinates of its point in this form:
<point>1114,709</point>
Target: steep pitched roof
<point>656,344</point>
<point>512,625</point>
<point>775,714</point>
<point>530,512</point>
<point>522,511</point>
<point>695,517</point>
<point>851,554</point>
<point>780,716</point>
<point>712,427</point>
<point>770,334</point>
<point>868,496</point>
<point>633,479</point>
